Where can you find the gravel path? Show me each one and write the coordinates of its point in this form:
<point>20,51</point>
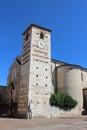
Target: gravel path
<point>77,123</point>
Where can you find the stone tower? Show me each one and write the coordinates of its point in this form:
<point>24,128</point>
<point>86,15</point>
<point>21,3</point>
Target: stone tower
<point>35,85</point>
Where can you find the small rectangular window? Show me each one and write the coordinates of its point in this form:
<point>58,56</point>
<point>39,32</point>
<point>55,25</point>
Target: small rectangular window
<point>41,35</point>
<point>46,69</point>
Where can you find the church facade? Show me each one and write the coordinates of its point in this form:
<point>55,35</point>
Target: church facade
<point>40,76</point>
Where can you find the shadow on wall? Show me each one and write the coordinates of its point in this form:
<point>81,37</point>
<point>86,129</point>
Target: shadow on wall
<point>54,80</point>
<point>5,109</point>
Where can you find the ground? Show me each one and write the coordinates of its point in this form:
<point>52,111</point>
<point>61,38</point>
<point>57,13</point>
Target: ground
<point>76,123</point>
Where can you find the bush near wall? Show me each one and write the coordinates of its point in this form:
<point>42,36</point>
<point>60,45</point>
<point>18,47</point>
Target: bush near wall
<point>63,101</point>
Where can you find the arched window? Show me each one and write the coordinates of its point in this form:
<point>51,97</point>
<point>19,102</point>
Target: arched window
<point>41,35</point>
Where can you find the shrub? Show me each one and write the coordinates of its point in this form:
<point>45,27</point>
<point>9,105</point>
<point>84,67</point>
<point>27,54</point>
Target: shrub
<point>63,101</point>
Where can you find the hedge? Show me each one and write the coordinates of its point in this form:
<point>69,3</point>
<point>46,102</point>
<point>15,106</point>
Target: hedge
<point>63,101</point>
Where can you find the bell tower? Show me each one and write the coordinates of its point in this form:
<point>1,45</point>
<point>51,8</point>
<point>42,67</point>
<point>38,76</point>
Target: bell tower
<point>35,85</point>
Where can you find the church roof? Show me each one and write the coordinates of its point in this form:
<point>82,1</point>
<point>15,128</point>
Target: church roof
<point>68,64</point>
<point>58,61</point>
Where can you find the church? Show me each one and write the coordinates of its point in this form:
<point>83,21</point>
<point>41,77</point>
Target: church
<point>36,76</point>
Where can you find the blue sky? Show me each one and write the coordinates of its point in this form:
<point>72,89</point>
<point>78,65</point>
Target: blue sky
<point>66,18</point>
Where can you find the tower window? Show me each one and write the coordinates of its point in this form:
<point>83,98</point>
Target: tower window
<point>41,35</point>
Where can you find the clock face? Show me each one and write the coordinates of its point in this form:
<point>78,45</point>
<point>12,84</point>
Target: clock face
<point>41,44</point>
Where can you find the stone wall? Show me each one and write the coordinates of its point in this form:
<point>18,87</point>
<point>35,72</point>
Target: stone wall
<point>14,77</point>
<point>54,65</point>
<point>71,79</point>
<point>24,78</point>
<point>56,112</point>
<point>40,73</point>
<point>23,91</point>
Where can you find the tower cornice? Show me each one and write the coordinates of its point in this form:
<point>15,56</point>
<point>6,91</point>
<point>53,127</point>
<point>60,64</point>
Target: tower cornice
<point>34,25</point>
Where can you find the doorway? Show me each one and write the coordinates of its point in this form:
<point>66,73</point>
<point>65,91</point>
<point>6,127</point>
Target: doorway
<point>84,101</point>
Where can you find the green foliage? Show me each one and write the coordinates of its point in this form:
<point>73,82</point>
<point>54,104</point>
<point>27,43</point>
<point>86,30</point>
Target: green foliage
<point>63,101</point>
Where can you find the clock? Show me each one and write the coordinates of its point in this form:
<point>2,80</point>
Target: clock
<point>41,44</point>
